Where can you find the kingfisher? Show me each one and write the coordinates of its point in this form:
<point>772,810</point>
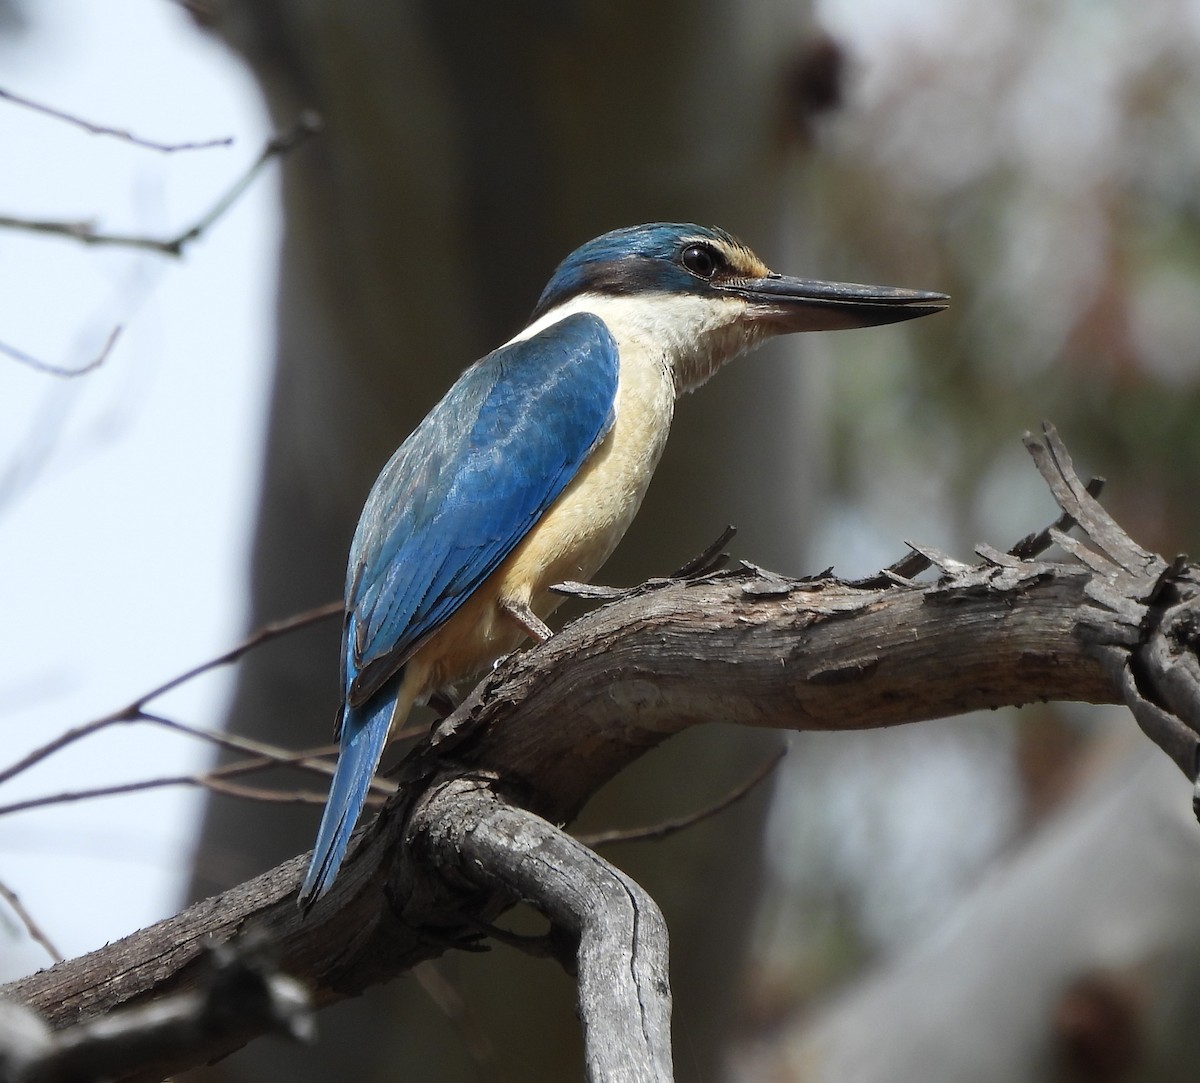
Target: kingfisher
<point>531,468</point>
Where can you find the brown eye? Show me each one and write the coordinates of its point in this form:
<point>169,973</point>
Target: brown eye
<point>701,260</point>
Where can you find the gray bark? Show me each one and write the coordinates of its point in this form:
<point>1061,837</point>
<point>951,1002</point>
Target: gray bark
<point>550,726</point>
<point>620,952</point>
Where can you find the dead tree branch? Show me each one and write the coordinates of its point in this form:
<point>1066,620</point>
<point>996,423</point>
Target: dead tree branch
<point>620,938</point>
<point>238,983</point>
<point>1112,623</point>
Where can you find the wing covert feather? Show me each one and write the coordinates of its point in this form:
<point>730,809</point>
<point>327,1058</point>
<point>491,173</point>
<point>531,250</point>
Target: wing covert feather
<point>468,484</point>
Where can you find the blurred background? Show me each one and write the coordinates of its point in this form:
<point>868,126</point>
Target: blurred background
<point>1005,897</point>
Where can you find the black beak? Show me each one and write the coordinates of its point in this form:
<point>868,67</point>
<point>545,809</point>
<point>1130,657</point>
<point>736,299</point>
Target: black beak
<point>802,304</point>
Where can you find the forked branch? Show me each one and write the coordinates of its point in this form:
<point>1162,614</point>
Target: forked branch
<point>1110,623</point>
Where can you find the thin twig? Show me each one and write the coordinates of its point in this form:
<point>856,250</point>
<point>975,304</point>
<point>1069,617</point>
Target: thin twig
<point>268,758</point>
<point>313,759</point>
<point>59,370</point>
<point>656,832</point>
<point>35,931</point>
<point>262,757</point>
<point>61,741</point>
<point>272,630</point>
<point>261,793</point>
<point>309,759</point>
<point>135,711</point>
<point>117,133</point>
<point>86,233</point>
<point>307,124</point>
<point>215,780</point>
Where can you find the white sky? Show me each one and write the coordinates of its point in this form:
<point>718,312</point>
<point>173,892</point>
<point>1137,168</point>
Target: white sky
<point>125,495</point>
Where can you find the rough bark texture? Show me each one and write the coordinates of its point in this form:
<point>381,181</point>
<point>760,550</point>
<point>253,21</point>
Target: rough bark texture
<point>447,855</point>
<point>620,938</point>
<point>552,725</point>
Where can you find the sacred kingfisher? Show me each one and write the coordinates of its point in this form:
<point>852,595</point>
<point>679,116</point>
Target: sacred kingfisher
<point>531,468</point>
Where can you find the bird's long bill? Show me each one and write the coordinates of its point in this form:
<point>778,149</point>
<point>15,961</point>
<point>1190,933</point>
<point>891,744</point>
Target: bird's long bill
<point>801,304</point>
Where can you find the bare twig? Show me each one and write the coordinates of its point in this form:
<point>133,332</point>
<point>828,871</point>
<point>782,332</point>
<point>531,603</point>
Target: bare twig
<point>214,784</point>
<point>317,760</point>
<point>116,789</point>
<point>307,125</point>
<point>135,711</point>
<point>262,756</point>
<point>267,757</point>
<point>117,133</point>
<point>656,832</point>
<point>272,630</point>
<point>214,780</point>
<point>234,742</point>
<point>85,232</point>
<point>34,930</point>
<point>59,370</point>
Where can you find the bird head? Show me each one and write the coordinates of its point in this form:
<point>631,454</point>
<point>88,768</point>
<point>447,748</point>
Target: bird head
<point>708,297</point>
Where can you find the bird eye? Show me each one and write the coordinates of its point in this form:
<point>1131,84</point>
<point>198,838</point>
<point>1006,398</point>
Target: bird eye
<point>701,260</point>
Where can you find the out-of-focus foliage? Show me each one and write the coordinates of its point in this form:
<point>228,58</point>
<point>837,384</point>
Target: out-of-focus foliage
<point>1039,162</point>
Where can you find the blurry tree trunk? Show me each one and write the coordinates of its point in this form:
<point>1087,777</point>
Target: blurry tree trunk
<point>468,147</point>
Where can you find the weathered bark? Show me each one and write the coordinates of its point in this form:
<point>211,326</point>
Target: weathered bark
<point>620,938</point>
<point>551,725</point>
<point>237,988</point>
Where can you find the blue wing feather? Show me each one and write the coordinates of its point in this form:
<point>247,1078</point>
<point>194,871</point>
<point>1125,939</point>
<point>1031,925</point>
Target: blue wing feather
<point>450,505</point>
<point>469,483</point>
<point>364,732</point>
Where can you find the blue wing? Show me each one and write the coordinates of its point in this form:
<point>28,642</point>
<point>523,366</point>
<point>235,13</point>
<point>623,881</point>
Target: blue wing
<point>468,485</point>
<point>450,505</point>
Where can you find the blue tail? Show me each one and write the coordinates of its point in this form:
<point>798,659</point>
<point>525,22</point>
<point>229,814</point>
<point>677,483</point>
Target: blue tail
<point>364,732</point>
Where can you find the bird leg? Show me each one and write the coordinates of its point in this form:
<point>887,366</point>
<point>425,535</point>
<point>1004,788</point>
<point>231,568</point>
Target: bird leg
<point>537,628</point>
